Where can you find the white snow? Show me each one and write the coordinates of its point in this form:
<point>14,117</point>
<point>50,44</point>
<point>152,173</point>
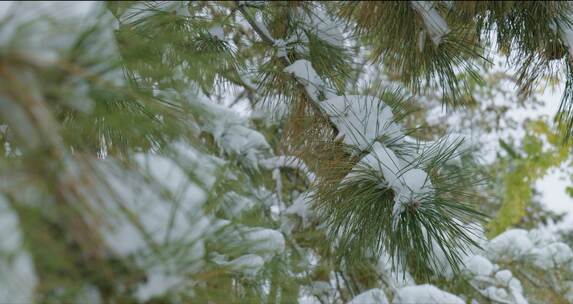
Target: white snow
<point>230,130</point>
<point>168,207</point>
<point>512,244</point>
<point>284,161</point>
<point>319,24</point>
<point>176,217</point>
<point>44,32</point>
<point>243,141</point>
<point>167,204</point>
<point>503,277</point>
<point>323,290</point>
<point>19,122</point>
<point>397,278</point>
<point>372,296</point>
<point>537,246</point>
<point>304,72</point>
<point>138,11</point>
<point>409,184</point>
<point>17,274</point>
<point>566,33</point>
<point>433,21</point>
<point>496,285</point>
<point>517,291</point>
<point>569,293</point>
<point>412,189</point>
<point>37,38</point>
<point>386,162</point>
<point>217,32</point>
<point>552,255</point>
<point>276,209</point>
<point>281,46</point>
<point>157,218</point>
<point>192,160</point>
<point>301,207</point>
<point>308,299</point>
<point>89,294</point>
<point>157,284</point>
<point>425,294</point>
<point>264,30</point>
<point>478,265</point>
<point>173,178</point>
<point>361,119</point>
<point>417,180</point>
<point>495,293</point>
<point>249,264</point>
<point>264,242</point>
<point>234,204</point>
<point>322,25</point>
<point>420,150</point>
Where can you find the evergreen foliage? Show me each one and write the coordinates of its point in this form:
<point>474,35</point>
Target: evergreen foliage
<point>129,175</point>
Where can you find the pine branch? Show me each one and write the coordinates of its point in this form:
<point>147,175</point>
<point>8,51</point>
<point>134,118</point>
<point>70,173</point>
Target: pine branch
<point>261,29</point>
<point>265,35</point>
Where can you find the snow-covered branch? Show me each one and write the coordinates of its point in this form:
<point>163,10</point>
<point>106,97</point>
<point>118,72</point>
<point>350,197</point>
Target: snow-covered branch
<point>288,162</point>
<point>433,21</point>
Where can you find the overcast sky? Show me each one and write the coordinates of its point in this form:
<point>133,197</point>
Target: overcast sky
<point>552,187</point>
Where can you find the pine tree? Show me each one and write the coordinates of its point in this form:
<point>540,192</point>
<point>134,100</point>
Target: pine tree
<point>130,175</point>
